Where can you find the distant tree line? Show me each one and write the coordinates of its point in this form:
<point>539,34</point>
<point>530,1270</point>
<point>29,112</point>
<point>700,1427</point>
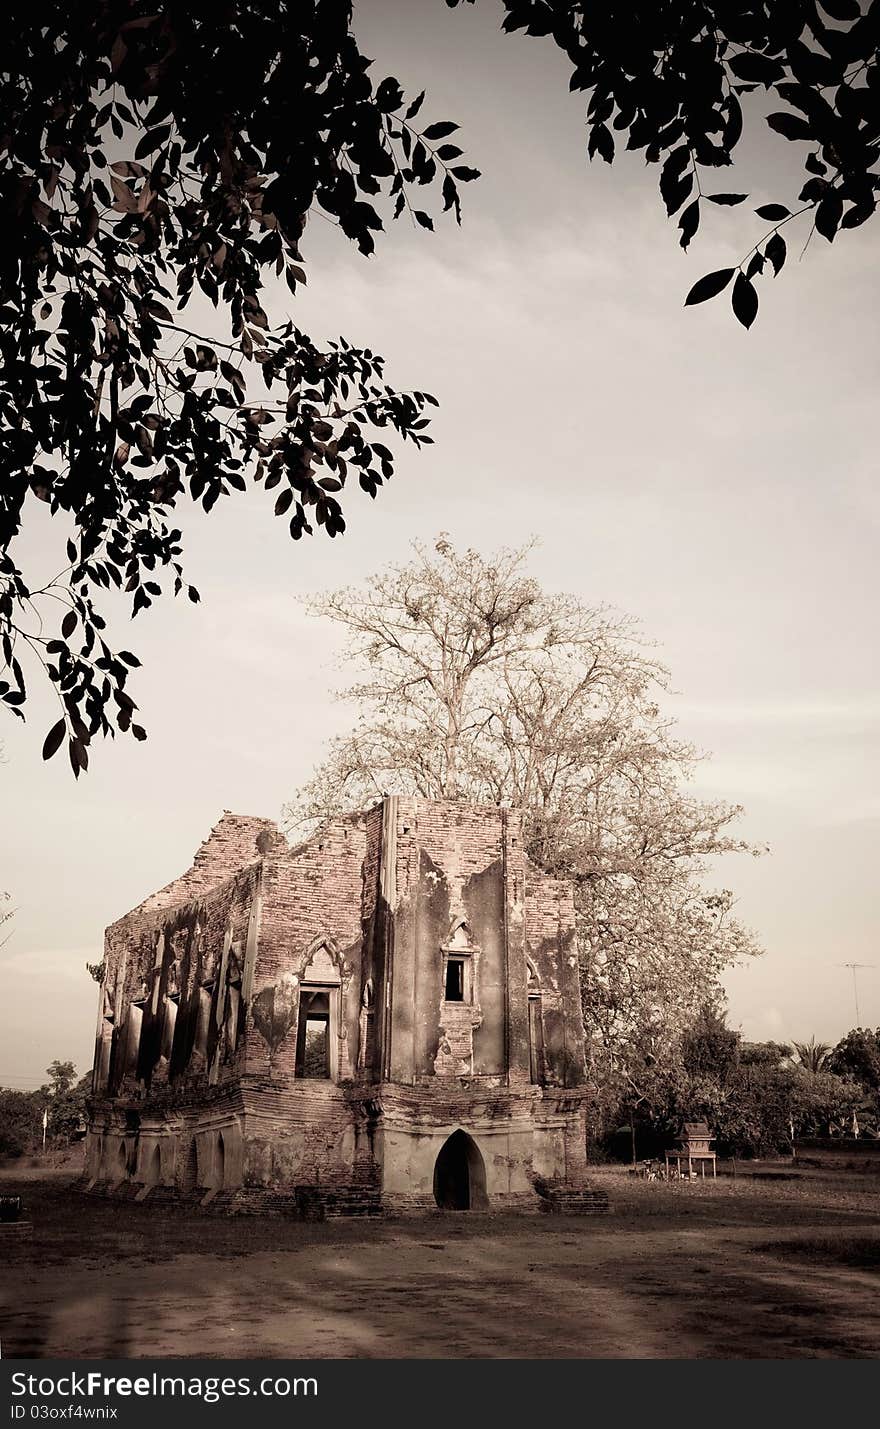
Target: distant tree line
<point>62,1098</point>
<point>757,1097</point>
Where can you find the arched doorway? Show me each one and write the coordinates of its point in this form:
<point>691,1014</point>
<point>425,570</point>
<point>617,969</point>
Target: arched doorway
<point>460,1175</point>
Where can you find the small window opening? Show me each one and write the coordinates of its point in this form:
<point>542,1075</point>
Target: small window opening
<point>454,980</point>
<point>313,1040</point>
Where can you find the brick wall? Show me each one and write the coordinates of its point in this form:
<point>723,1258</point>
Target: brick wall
<point>231,845</point>
<point>552,951</point>
<point>317,901</point>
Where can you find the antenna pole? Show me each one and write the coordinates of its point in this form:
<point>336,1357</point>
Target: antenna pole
<point>853,967</point>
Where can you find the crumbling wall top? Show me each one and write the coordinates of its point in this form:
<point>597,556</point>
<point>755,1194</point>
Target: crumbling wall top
<point>235,842</point>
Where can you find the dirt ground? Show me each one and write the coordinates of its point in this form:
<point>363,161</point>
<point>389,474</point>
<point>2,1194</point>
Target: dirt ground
<point>773,1265</point>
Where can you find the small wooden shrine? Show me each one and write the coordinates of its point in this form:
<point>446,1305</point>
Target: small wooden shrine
<point>693,1149</point>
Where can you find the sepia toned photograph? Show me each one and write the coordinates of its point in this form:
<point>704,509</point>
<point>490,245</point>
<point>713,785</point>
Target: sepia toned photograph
<point>439,693</point>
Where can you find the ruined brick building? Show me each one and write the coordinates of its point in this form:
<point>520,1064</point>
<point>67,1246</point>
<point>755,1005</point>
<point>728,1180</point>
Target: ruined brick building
<point>386,1016</point>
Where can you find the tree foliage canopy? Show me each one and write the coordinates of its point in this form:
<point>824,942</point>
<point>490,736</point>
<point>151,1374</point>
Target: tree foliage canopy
<point>62,1076</point>
<point>812,1055</point>
<point>157,159</point>
<point>160,160</point>
<point>756,1097</point>
<point>476,684</point>
<point>857,1055</point>
<point>63,1099</point>
<point>669,78</point>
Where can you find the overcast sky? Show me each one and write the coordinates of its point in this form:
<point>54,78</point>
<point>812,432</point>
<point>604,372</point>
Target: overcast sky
<point>717,484</point>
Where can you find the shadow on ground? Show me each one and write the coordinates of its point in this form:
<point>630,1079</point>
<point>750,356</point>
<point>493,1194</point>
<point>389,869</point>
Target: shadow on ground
<point>736,1269</point>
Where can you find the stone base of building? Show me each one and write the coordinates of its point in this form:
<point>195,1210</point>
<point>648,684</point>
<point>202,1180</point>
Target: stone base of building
<point>310,1203</point>
<point>319,1149</point>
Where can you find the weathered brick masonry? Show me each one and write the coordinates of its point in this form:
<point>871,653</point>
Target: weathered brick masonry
<point>385,1016</point>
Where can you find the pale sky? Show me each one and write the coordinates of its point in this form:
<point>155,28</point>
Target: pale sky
<point>717,484</point>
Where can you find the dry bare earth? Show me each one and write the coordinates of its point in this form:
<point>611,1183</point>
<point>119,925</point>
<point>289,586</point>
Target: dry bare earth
<point>752,1268</point>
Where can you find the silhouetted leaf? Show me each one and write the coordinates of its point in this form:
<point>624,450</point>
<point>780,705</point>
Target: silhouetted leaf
<point>689,222</point>
<point>791,126</point>
<point>733,123</point>
<point>858,214</point>
<point>709,286</point>
<point>744,300</point>
<point>54,739</point>
<point>440,131</point>
<point>79,758</point>
<point>152,140</point>
<point>810,66</point>
<point>773,211</point>
<point>671,178</point>
<point>775,252</point>
<point>125,199</point>
<point>757,69</point>
<point>416,105</point>
<point>601,142</point>
<point>389,96</point>
<point>728,199</point>
<point>677,192</point>
<point>828,214</point>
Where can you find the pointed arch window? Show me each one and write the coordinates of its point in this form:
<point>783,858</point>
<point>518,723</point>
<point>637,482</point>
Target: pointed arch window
<point>459,964</point>
<point>317,1040</point>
